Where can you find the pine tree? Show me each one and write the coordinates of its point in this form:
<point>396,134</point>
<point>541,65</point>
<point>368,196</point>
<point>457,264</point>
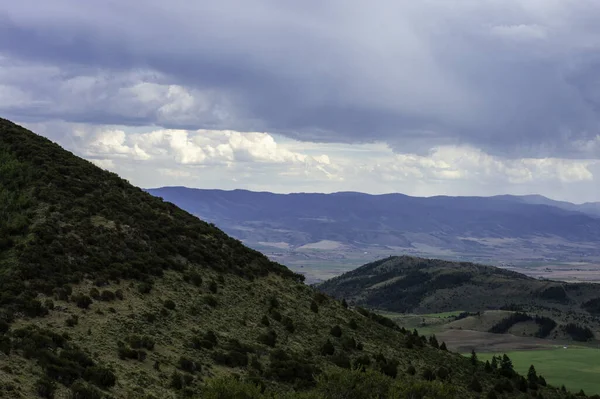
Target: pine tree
<point>434,342</point>
<point>473,358</point>
<point>488,367</point>
<point>443,346</point>
<point>531,374</point>
<point>494,363</point>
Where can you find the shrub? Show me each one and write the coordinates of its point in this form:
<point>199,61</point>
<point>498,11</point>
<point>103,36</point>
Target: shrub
<point>231,358</point>
<point>442,373</point>
<point>45,388</point>
<point>362,362</point>
<point>144,288</point>
<point>100,376</point>
<point>141,342</point>
<point>94,293</point>
<point>82,301</point>
<point>49,304</point>
<point>169,304</point>
<point>180,381</point>
<point>230,387</point>
<point>210,301</point>
<point>428,374</point>
<point>352,324</point>
<point>336,331</point>
<point>341,360</point>
<point>107,296</point>
<point>269,339</point>
<point>314,307</point>
<point>288,323</point>
<point>411,370</point>
<point>80,389</point>
<point>327,349</point>
<point>188,365</point>
<point>275,315</point>
<point>213,287</point>
<point>265,321</point>
<point>195,278</point>
<point>443,346</point>
<point>119,294</point>
<point>72,321</point>
<point>348,343</point>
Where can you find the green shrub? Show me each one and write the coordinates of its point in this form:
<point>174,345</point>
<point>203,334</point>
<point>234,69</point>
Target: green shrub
<point>169,304</point>
<point>269,338</point>
<point>327,349</point>
<point>288,323</point>
<point>82,301</point>
<point>94,293</point>
<point>144,288</point>
<point>45,388</point>
<point>336,331</point>
<point>352,324</point>
<point>265,321</point>
<point>314,307</point>
<point>213,287</point>
<point>100,376</point>
<point>230,387</point>
<point>107,296</point>
<point>188,365</point>
<point>210,301</point>
<point>119,294</point>
<point>141,342</point>
<point>81,390</point>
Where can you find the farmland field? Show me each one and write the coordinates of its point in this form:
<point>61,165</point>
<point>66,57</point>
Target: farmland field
<point>576,368</point>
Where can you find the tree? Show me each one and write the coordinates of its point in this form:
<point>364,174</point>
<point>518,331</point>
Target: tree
<point>344,303</point>
<point>434,342</point>
<point>506,366</point>
<point>475,385</point>
<point>494,363</point>
<point>488,367</point>
<point>473,358</point>
<point>443,346</point>
<point>531,374</point>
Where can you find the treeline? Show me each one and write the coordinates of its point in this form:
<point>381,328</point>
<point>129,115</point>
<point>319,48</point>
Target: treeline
<point>579,333</point>
<point>546,324</point>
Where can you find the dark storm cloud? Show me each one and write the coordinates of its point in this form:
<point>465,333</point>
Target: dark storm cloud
<point>518,78</point>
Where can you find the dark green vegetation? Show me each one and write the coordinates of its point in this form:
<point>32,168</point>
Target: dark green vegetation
<point>106,291</point>
<point>415,285</point>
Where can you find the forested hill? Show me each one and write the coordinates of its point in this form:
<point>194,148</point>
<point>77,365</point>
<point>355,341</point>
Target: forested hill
<point>108,292</point>
<point>409,284</point>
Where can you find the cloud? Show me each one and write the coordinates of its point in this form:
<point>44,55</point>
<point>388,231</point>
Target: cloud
<point>514,78</point>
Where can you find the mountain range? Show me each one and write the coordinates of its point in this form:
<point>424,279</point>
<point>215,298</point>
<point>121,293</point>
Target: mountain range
<point>473,228</point>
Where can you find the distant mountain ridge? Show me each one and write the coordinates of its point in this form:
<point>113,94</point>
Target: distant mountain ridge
<point>501,226</point>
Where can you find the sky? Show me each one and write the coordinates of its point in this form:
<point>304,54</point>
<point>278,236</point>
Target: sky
<point>463,97</point>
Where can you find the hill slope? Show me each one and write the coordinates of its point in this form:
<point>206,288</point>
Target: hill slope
<point>106,291</point>
<point>409,284</point>
<point>504,227</point>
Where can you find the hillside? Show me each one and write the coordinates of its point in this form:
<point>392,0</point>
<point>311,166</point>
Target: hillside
<point>107,291</point>
<point>416,285</point>
<point>482,229</point>
<point>409,284</point>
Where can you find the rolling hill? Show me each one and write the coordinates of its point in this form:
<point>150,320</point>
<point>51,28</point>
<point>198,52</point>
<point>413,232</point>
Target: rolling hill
<point>481,229</point>
<point>415,285</point>
<point>107,291</point>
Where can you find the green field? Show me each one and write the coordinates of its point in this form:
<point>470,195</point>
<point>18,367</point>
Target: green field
<point>576,368</point>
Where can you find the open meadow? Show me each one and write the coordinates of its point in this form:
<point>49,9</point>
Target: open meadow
<point>575,367</point>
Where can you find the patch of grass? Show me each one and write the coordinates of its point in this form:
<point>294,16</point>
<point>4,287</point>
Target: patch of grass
<point>576,368</point>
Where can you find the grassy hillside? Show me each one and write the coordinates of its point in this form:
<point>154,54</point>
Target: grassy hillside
<point>106,291</point>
